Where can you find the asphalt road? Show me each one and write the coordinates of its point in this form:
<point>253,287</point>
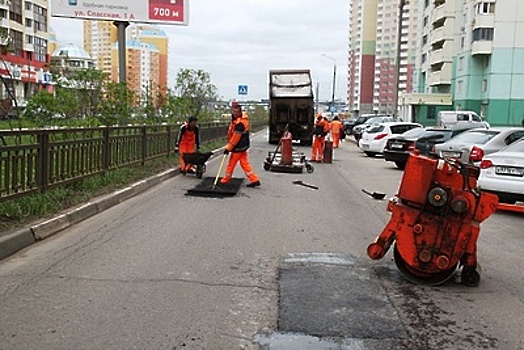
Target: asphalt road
<point>282,266</point>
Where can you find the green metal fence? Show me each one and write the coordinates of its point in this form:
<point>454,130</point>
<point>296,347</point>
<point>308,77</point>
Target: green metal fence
<point>37,160</point>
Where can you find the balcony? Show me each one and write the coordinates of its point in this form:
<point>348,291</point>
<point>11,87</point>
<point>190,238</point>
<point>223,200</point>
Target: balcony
<point>484,21</point>
<point>442,55</point>
<point>442,12</point>
<point>440,77</point>
<point>443,33</point>
<point>484,47</point>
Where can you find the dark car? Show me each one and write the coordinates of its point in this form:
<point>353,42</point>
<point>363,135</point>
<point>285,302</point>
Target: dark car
<point>350,124</point>
<point>398,148</point>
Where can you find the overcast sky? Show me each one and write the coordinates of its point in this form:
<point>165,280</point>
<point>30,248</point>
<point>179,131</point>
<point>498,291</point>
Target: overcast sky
<point>238,41</point>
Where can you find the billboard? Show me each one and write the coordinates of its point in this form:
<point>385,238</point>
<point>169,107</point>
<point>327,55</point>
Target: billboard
<point>146,11</point>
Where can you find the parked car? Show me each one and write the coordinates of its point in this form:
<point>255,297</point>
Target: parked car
<point>374,139</point>
<point>349,123</point>
<point>502,173</point>
<point>472,145</point>
<point>448,119</point>
<point>398,148</point>
<point>359,129</point>
<point>348,127</point>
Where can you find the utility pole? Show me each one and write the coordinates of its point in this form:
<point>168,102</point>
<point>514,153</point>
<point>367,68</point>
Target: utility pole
<point>334,82</point>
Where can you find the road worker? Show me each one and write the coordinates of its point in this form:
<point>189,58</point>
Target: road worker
<point>337,128</point>
<point>320,130</point>
<point>237,145</point>
<point>187,140</point>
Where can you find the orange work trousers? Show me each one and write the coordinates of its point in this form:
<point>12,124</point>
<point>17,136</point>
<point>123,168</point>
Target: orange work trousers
<point>234,158</point>
<point>318,149</point>
<point>185,147</point>
<point>336,139</point>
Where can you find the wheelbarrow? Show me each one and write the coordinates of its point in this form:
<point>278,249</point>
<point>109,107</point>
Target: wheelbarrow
<point>198,160</point>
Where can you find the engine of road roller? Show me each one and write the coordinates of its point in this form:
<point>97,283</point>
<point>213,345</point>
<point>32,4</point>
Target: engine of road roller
<point>435,221</point>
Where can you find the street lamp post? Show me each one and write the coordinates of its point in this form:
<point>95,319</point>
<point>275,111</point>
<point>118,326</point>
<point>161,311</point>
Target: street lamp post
<point>334,81</point>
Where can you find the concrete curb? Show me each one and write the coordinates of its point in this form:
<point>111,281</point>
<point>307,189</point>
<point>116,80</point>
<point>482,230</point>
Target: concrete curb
<point>12,243</point>
<point>17,241</point>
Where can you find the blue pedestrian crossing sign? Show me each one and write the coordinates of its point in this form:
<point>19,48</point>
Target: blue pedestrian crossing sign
<point>242,89</point>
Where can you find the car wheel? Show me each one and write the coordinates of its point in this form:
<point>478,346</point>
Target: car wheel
<point>370,154</point>
<point>400,165</point>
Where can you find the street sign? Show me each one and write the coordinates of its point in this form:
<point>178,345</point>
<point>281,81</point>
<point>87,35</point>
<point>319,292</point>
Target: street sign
<point>145,11</point>
<point>242,89</point>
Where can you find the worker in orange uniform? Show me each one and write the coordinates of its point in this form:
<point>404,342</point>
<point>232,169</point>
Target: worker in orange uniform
<point>187,140</point>
<point>320,131</point>
<point>337,128</point>
<point>237,146</point>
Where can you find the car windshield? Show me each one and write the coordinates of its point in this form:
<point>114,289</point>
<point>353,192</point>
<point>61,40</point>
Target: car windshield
<point>477,137</point>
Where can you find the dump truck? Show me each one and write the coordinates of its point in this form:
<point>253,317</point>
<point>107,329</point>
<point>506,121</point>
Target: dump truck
<point>291,104</point>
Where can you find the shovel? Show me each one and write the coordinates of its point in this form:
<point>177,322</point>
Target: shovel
<point>302,183</point>
<point>375,195</point>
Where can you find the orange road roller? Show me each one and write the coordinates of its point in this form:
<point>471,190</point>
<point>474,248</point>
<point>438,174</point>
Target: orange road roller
<point>435,221</point>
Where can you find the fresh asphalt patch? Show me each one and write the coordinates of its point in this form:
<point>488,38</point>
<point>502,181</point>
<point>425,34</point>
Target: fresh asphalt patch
<point>331,301</point>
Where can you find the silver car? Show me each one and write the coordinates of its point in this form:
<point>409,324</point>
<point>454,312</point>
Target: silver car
<point>472,145</point>
<point>502,173</point>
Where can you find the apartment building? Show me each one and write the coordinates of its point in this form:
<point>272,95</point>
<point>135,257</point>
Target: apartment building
<point>393,57</point>
<point>146,56</point>
<point>143,71</point>
<point>158,39</point>
<point>99,38</point>
<point>24,56</point>
<point>488,67</point>
<point>470,58</point>
<point>362,43</point>
<point>377,57</point>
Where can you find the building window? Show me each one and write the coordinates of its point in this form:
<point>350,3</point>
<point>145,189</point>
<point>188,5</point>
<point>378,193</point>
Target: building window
<point>461,63</point>
<point>15,11</point>
<point>485,8</point>
<point>40,18</point>
<point>483,34</point>
<point>485,85</point>
<point>460,83</point>
<point>40,46</point>
<point>18,42</point>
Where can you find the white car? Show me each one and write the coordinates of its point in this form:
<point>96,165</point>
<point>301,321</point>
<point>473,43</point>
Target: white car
<point>502,173</point>
<point>374,139</point>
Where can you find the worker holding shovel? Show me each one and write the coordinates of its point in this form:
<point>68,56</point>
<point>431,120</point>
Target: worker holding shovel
<point>237,146</point>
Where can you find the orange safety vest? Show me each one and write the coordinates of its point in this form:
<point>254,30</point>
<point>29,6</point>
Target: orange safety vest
<point>238,135</point>
<point>188,136</point>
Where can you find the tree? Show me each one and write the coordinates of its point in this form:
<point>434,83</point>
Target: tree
<point>42,107</point>
<point>89,85</point>
<point>193,90</point>
<point>114,106</point>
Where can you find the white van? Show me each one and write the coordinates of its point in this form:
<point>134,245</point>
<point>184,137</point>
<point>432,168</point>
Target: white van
<point>449,119</point>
